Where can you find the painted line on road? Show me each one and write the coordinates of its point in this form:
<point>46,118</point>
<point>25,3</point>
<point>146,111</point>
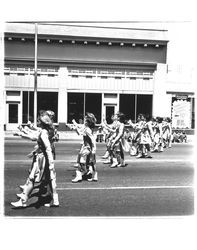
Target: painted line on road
<point>123,188</point>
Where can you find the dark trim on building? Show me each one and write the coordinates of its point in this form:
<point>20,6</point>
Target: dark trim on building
<point>29,61</point>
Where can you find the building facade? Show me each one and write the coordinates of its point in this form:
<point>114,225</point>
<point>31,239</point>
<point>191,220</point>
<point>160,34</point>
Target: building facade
<point>91,69</point>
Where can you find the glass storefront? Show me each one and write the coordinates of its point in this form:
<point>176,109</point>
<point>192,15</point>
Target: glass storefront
<point>144,104</point>
<point>80,103</point>
<point>75,107</point>
<point>127,106</point>
<point>132,104</point>
<point>93,104</point>
<point>45,101</point>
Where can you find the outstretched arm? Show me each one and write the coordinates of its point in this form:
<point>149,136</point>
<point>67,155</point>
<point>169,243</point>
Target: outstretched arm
<point>29,136</point>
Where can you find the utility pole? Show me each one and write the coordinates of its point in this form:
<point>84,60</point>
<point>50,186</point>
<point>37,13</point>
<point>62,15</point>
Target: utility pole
<point>35,73</point>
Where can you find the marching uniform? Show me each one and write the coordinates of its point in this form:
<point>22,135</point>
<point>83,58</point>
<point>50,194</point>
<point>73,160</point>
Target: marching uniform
<point>167,133</point>
<point>116,148</point>
<point>42,170</point>
<point>87,154</point>
<point>143,136</point>
<point>158,136</point>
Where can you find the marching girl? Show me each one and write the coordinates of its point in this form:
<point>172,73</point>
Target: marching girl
<point>167,132</point>
<point>137,135</point>
<point>32,132</point>
<point>116,148</point>
<point>43,170</point>
<point>146,138</point>
<point>87,154</point>
<point>158,135</point>
<point>111,130</point>
<point>143,136</point>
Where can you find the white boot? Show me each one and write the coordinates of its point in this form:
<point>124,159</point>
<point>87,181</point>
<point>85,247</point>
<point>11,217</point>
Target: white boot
<point>122,164</point>
<point>139,156</point>
<point>21,196</point>
<point>114,164</point>
<point>94,177</point>
<point>78,177</point>
<point>54,202</point>
<point>106,155</point>
<point>23,187</point>
<point>19,204</point>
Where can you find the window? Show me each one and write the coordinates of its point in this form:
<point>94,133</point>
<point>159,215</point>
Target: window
<point>144,104</point>
<point>28,106</point>
<point>45,101</point>
<point>13,93</point>
<point>80,103</point>
<point>93,104</point>
<point>13,113</point>
<point>132,104</point>
<point>75,106</point>
<point>127,106</point>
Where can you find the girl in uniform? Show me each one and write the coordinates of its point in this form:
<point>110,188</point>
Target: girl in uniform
<point>87,154</point>
<point>116,148</point>
<point>158,135</point>
<point>143,136</point>
<point>167,133</point>
<point>32,132</point>
<point>111,129</point>
<point>43,170</point>
<point>137,134</point>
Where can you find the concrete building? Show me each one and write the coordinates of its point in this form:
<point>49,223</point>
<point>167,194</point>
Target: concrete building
<point>92,69</point>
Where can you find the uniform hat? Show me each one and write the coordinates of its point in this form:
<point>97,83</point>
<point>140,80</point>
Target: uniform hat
<point>50,113</point>
<point>90,118</point>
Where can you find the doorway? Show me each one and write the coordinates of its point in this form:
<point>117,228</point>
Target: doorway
<point>12,116</point>
<point>109,111</point>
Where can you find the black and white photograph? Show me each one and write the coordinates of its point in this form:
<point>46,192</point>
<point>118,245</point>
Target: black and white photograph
<point>98,124</point>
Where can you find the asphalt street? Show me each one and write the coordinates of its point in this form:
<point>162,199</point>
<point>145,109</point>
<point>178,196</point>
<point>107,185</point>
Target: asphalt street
<point>161,186</point>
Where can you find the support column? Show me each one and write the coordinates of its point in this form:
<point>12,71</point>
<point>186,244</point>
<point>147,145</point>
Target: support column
<point>62,96</point>
<point>160,98</point>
